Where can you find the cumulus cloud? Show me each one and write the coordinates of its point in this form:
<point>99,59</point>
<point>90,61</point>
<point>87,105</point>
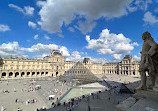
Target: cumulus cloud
<point>36,37</point>
<point>85,27</point>
<point>41,56</point>
<point>56,13</point>
<point>143,4</point>
<point>149,18</point>
<point>13,48</point>
<point>110,43</point>
<point>64,51</point>
<point>60,35</point>
<point>32,24</point>
<point>78,56</point>
<point>27,10</point>
<point>116,56</point>
<point>75,56</point>
<point>4,28</point>
<point>46,37</point>
<point>137,58</point>
<point>98,60</point>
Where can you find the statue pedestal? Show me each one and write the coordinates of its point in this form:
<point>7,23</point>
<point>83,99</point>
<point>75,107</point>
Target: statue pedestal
<point>145,101</point>
<point>149,94</point>
<point>156,85</point>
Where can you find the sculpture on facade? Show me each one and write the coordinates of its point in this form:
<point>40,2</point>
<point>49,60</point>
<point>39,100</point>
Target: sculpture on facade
<point>149,61</point>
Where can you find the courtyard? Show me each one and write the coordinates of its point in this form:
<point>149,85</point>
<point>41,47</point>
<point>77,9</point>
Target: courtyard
<point>22,93</point>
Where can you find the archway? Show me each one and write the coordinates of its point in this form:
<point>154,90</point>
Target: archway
<point>22,74</point>
<point>4,74</point>
<point>28,73</point>
<point>46,73</point>
<point>134,73</point>
<point>16,74</point>
<point>42,73</point>
<point>33,73</point>
<point>10,74</point>
<point>127,72</point>
<point>38,73</point>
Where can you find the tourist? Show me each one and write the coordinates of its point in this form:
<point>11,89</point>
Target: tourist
<point>14,90</point>
<point>88,108</point>
<point>26,102</point>
<point>44,108</point>
<point>16,100</point>
<point>35,99</point>
<point>2,108</point>
<point>52,103</point>
<point>19,109</point>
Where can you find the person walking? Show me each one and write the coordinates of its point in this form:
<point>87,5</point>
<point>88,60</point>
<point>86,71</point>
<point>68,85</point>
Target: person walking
<point>89,108</point>
<point>2,108</point>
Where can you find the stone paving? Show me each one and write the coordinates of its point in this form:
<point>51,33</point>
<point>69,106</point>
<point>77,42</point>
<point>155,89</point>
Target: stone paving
<point>47,88</point>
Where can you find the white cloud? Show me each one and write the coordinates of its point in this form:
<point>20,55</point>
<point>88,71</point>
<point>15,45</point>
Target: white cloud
<point>85,27</point>
<point>71,29</point>
<point>40,48</point>
<point>75,56</point>
<point>41,56</point>
<point>143,4</point>
<point>137,58</point>
<point>36,37</point>
<point>64,51</point>
<point>13,48</point>
<point>4,28</point>
<point>27,9</point>
<point>55,13</point>
<point>32,24</point>
<point>46,37</point>
<point>16,7</point>
<point>60,35</point>
<point>110,43</point>
<point>98,60</point>
<point>149,18</point>
<point>116,56</point>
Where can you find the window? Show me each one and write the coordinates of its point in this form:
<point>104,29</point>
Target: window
<point>11,67</point>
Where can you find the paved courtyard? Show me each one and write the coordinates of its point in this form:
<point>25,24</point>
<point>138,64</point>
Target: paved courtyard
<point>16,94</point>
<point>18,90</point>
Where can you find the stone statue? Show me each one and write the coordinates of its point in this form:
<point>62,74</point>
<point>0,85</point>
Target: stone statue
<point>149,61</point>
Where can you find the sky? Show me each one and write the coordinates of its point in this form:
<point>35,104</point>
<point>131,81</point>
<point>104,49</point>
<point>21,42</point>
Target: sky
<point>104,30</point>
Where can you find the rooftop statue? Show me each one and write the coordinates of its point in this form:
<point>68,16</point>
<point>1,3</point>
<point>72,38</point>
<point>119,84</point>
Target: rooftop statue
<point>149,61</point>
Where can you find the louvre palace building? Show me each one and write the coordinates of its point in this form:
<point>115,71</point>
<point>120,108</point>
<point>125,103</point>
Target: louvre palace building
<point>54,65</point>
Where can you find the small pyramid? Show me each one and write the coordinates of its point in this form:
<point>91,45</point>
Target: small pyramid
<point>123,89</point>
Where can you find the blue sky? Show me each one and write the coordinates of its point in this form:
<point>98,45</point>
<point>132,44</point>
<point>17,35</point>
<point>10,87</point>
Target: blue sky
<point>104,30</point>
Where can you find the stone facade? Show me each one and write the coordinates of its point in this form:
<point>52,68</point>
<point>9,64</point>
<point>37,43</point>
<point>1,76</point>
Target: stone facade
<point>55,65</point>
<point>126,67</point>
